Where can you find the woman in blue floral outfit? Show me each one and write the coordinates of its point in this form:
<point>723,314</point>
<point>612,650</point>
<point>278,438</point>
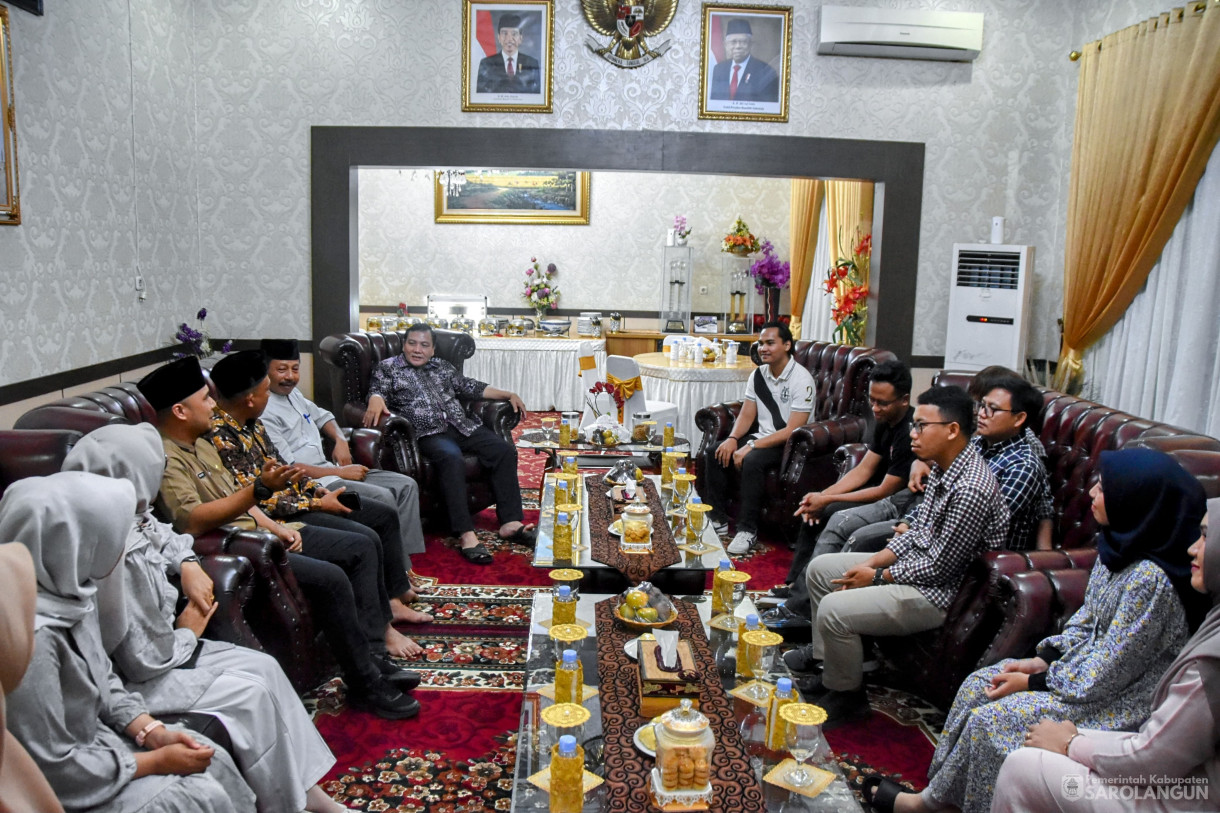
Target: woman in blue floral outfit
<point>1102,670</point>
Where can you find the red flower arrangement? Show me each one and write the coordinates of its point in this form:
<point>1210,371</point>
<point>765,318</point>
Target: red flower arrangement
<point>846,280</point>
<point>603,387</point>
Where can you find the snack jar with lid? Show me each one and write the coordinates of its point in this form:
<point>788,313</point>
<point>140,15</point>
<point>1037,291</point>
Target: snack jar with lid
<point>685,744</point>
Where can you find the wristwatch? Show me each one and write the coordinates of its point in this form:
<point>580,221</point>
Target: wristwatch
<point>878,579</point>
<point>262,491</point>
<point>191,558</point>
<point>750,444</point>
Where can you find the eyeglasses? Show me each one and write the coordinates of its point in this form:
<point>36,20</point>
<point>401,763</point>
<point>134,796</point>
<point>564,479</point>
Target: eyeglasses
<point>917,427</point>
<point>877,402</point>
<point>987,410</point>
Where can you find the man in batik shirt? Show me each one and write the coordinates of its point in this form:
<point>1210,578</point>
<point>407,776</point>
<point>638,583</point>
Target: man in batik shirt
<point>428,392</point>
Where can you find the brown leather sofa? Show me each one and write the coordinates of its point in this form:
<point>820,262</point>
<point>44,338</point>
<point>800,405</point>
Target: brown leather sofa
<point>841,415</point>
<point>350,359</point>
<point>1010,601</point>
<point>269,611</point>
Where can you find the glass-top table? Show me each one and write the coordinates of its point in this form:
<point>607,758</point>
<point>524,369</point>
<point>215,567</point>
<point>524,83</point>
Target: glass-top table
<point>686,575</point>
<point>535,738</point>
<point>591,454</point>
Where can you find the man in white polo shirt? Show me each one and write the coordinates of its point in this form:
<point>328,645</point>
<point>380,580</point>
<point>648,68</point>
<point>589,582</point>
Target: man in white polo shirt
<point>779,398</point>
<point>296,425</point>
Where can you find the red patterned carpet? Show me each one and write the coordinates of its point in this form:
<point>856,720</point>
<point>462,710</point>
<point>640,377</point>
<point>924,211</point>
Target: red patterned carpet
<point>458,755</point>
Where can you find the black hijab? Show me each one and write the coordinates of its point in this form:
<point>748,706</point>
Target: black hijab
<point>1155,509</point>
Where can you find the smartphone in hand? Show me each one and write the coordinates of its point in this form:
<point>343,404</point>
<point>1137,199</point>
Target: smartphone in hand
<point>350,500</point>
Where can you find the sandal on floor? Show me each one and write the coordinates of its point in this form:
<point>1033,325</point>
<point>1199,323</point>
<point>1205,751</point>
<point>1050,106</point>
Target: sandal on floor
<point>884,793</point>
<point>478,554</point>
<point>525,535</point>
<point>781,591</point>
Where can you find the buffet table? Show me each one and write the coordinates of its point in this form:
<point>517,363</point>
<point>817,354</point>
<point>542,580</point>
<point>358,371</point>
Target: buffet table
<point>544,372</point>
<point>692,386</point>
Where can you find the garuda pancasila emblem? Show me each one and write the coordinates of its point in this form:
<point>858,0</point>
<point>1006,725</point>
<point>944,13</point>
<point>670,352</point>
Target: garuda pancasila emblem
<point>629,24</point>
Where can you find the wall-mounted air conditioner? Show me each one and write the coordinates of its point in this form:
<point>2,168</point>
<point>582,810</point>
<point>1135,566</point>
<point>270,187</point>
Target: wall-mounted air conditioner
<point>953,36</point>
<point>989,298</point>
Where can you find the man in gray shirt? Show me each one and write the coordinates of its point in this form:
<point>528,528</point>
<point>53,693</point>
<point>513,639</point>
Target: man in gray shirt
<point>296,425</point>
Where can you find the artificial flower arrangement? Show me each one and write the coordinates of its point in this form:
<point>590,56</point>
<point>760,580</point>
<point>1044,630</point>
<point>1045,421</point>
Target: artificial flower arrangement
<point>768,270</point>
<point>541,290</point>
<point>847,281</point>
<point>597,391</point>
<point>739,240</point>
<point>681,229</point>
<point>196,341</point>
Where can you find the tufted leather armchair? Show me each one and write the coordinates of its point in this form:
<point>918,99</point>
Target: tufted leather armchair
<point>262,606</point>
<point>350,359</point>
<point>840,415</point>
<point>1010,601</point>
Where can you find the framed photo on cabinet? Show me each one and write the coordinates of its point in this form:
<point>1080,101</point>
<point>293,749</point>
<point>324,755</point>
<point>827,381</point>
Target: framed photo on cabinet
<point>507,55</point>
<point>745,66</point>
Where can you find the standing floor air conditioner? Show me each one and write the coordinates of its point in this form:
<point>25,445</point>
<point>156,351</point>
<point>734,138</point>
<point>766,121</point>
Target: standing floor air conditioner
<point>989,306</point>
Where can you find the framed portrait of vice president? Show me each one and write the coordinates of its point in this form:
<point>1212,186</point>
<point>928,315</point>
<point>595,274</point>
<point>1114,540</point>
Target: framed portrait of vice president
<point>507,56</point>
<point>745,66</point>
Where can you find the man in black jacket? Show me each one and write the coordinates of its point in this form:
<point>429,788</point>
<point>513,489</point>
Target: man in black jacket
<point>509,70</point>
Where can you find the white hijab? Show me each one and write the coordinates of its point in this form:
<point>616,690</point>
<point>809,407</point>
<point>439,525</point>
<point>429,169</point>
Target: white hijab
<point>75,526</point>
<point>124,452</point>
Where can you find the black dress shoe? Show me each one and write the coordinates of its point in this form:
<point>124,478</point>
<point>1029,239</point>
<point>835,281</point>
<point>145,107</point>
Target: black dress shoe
<point>844,707</point>
<point>801,661</point>
<point>404,680</point>
<point>383,700</point>
<point>781,618</point>
<point>811,688</point>
<point>781,591</point>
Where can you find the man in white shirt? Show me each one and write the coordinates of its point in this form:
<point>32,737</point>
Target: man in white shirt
<point>779,398</point>
<point>296,425</point>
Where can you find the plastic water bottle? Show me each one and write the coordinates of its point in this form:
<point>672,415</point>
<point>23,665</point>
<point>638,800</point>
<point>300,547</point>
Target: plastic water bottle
<point>563,606</point>
<point>569,678</point>
<point>567,776</point>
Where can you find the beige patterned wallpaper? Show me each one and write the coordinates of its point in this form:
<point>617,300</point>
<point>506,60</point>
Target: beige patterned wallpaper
<point>614,263</point>
<point>173,136</point>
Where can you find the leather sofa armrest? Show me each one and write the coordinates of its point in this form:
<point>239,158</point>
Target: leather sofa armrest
<point>716,422</point>
<point>352,413</point>
<point>366,446</point>
<point>498,416</point>
<point>65,417</point>
<point>232,585</point>
<point>826,437</point>
<point>1024,600</point>
<point>848,456</point>
<point>212,543</point>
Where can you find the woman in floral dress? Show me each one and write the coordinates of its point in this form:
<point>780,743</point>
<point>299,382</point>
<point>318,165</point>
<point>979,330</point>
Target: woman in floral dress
<point>1101,671</point>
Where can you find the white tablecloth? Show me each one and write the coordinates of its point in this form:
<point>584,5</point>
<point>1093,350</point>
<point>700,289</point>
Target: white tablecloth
<point>692,387</point>
<point>544,372</point>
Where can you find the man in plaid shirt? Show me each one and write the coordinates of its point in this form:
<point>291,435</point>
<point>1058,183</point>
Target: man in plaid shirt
<point>908,586</point>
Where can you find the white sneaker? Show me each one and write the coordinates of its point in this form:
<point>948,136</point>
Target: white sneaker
<point>741,543</point>
<point>721,528</point>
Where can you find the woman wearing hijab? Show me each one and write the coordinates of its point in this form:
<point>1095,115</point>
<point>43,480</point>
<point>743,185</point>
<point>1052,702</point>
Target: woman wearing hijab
<point>95,741</point>
<point>1066,769</point>
<point>276,746</point>
<point>1102,670</point>
<point>22,785</point>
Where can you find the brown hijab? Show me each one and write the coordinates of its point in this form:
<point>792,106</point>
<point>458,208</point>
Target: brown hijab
<point>22,785</point>
<point>1203,649</point>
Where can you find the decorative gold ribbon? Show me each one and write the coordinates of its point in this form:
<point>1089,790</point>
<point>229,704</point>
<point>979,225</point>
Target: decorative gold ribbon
<point>625,389</point>
<point>587,363</point>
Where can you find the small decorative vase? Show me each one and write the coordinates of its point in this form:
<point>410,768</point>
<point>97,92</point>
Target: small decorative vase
<point>539,315</point>
<point>680,240</point>
<point>770,304</point>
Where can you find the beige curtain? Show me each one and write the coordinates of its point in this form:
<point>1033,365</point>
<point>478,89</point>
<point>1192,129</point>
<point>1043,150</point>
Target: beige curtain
<point>1147,118</point>
<point>806,202</point>
<point>849,206</point>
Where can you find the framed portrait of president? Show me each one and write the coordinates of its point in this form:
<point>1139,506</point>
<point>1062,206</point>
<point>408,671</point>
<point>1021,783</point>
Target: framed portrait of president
<point>745,65</point>
<point>507,55</point>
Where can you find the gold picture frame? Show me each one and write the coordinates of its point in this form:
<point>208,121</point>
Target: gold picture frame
<point>541,197</point>
<point>763,73</point>
<point>492,80</point>
<point>10,186</point>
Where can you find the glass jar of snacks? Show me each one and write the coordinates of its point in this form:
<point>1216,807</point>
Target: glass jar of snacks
<point>684,752</point>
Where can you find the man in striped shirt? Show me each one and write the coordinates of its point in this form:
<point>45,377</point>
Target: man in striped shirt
<point>906,587</point>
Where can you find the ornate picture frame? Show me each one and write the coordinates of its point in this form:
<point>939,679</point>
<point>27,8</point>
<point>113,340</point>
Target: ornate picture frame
<point>541,197</point>
<point>10,187</point>
<point>508,51</point>
<point>745,62</point>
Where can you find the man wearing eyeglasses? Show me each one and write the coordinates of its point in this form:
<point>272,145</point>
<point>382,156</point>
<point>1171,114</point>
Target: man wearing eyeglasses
<point>1005,404</point>
<point>882,473</point>
<point>906,587</point>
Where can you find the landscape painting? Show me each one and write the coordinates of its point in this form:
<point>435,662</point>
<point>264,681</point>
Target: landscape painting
<point>540,197</point>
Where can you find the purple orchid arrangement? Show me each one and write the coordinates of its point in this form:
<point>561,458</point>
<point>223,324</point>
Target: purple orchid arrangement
<point>541,291</point>
<point>196,341</point>
<point>680,227</point>
<point>768,270</point>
